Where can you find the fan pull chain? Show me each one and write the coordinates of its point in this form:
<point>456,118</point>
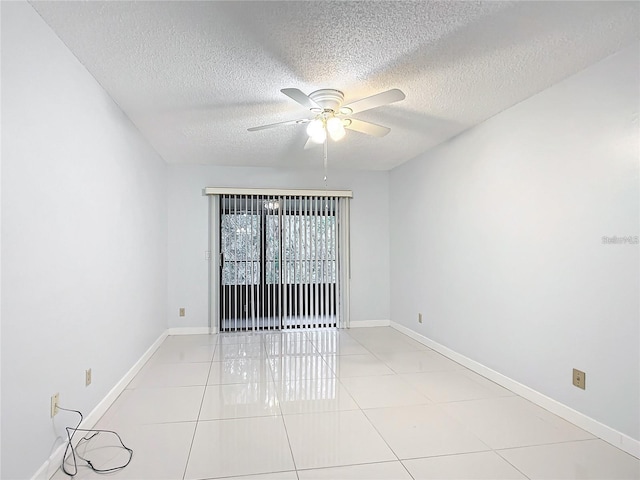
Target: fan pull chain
<point>326,142</point>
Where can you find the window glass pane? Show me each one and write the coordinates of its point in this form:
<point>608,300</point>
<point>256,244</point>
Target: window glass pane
<point>240,273</point>
<point>273,272</point>
<point>309,248</point>
<point>240,242</point>
<point>273,249</point>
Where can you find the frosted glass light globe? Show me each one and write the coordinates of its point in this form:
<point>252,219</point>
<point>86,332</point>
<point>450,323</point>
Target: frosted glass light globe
<point>335,128</point>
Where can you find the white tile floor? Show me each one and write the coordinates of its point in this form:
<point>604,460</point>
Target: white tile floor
<point>358,404</point>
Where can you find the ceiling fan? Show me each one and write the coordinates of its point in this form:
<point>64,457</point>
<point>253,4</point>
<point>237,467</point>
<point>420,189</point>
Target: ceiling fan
<point>330,117</point>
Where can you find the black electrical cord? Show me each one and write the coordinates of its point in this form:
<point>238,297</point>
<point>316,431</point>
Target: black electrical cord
<point>86,438</point>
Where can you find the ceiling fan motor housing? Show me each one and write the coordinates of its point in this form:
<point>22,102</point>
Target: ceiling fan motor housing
<point>328,98</point>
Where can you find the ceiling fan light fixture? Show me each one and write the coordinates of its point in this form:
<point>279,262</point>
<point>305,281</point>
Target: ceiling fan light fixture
<point>335,128</point>
<point>316,131</point>
<point>319,137</point>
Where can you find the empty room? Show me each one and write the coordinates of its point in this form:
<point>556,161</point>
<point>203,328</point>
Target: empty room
<point>303,240</point>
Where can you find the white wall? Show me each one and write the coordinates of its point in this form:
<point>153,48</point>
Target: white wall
<point>189,237</point>
<point>83,240</point>
<point>496,238</point>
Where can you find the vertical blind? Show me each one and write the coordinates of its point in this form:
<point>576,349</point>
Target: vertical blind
<point>280,260</point>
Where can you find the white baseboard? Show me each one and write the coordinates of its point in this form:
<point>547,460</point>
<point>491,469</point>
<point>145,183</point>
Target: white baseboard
<point>115,392</point>
<point>369,323</point>
<point>49,468</point>
<point>189,331</point>
<point>608,434</point>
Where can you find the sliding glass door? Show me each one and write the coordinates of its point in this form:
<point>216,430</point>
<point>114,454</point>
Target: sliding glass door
<point>279,263</point>
<point>309,237</point>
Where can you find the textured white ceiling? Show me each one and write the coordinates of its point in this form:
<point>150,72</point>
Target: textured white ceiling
<point>193,76</point>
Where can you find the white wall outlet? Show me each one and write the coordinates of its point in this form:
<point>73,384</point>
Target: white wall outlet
<point>419,318</point>
<point>87,377</point>
<point>182,312</point>
<point>55,402</point>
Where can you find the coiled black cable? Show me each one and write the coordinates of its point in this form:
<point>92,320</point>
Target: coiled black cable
<point>86,438</point>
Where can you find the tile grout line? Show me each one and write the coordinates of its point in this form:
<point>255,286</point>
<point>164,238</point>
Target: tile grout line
<point>380,435</point>
<point>204,393</point>
<point>286,432</point>
<point>506,460</point>
<point>561,442</point>
<point>328,467</point>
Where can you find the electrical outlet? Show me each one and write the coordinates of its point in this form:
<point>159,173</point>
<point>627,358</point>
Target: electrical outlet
<point>182,312</point>
<point>87,377</point>
<point>579,378</point>
<point>55,402</point>
<point>419,318</point>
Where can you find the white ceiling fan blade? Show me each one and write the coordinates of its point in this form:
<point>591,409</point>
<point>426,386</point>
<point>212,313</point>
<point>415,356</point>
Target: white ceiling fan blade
<point>377,100</point>
<point>300,97</point>
<point>272,125</point>
<point>310,144</point>
<point>366,127</point>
